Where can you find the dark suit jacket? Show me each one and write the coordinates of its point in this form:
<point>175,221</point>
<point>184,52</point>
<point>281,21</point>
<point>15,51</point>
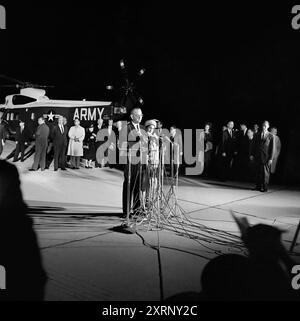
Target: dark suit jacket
<point>41,135</point>
<point>251,147</point>
<point>133,138</point>
<point>242,144</point>
<point>265,148</point>
<point>22,137</point>
<point>228,143</point>
<point>58,138</point>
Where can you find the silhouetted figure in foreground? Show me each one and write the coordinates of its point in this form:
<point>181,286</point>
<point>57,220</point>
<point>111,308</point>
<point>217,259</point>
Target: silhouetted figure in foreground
<point>269,267</point>
<point>263,275</point>
<point>19,251</point>
<point>224,278</point>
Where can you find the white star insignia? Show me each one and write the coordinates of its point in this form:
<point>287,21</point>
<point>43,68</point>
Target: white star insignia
<point>50,116</point>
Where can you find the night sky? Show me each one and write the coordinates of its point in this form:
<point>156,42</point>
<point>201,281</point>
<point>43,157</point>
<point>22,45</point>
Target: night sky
<point>203,62</point>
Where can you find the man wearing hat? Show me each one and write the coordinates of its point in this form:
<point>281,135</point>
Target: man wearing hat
<point>60,143</point>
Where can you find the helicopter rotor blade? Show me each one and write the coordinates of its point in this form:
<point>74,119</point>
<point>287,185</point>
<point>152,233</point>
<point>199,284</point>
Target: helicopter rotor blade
<point>12,79</point>
<point>40,86</point>
<point>11,86</point>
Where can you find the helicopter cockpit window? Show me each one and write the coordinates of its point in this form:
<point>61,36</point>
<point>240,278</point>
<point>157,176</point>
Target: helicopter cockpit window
<point>7,116</point>
<point>12,116</point>
<point>22,100</point>
<point>32,116</point>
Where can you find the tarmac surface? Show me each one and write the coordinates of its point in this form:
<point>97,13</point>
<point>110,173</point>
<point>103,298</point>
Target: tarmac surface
<point>76,213</point>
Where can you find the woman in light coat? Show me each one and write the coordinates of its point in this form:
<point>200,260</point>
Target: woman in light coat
<point>75,148</point>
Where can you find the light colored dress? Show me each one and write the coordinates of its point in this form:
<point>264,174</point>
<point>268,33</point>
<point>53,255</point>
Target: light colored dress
<point>75,148</point>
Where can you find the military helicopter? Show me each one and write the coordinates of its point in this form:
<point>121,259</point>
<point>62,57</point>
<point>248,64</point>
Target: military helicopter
<point>31,103</point>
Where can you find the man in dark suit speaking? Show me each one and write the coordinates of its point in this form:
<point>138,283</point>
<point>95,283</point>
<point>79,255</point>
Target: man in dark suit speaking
<point>60,143</point>
<point>265,151</point>
<point>135,134</point>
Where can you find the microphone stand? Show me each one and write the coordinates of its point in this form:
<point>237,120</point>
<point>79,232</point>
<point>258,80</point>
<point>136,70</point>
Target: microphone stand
<point>128,202</point>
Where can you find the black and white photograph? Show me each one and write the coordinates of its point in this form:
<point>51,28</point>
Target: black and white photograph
<point>149,155</point>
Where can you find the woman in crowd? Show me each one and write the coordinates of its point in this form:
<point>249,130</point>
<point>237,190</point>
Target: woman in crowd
<point>89,147</point>
<point>150,179</point>
<point>75,148</point>
<point>98,142</point>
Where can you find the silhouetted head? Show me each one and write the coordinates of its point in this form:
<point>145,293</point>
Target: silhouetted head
<point>223,278</point>
<point>263,241</point>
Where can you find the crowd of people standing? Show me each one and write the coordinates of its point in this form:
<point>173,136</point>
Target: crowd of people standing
<point>246,154</point>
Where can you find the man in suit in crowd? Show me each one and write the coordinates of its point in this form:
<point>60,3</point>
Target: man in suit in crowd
<point>251,160</point>
<point>136,134</point>
<point>41,144</point>
<point>265,151</point>
<point>60,143</point>
<point>242,156</point>
<point>228,149</point>
<point>2,136</point>
<point>19,250</point>
<point>111,143</point>
<point>22,140</point>
<point>255,129</point>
